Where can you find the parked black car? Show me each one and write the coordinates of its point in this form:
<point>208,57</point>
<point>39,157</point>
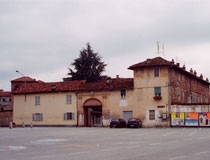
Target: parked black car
<point>117,123</point>
<point>134,123</point>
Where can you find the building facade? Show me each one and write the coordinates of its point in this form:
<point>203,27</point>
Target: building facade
<point>44,104</point>
<point>5,100</point>
<point>5,108</point>
<point>163,89</point>
<point>161,93</point>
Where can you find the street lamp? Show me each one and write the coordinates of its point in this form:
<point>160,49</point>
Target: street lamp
<point>24,81</point>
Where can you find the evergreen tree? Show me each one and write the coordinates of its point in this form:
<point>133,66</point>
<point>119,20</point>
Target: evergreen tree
<point>87,67</point>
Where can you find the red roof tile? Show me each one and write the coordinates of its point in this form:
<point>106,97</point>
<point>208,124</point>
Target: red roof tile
<point>23,79</point>
<point>42,87</point>
<point>104,85</point>
<point>5,94</point>
<point>158,61</point>
<point>108,85</point>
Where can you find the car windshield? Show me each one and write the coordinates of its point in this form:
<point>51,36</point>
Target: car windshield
<point>132,120</point>
<point>115,120</point>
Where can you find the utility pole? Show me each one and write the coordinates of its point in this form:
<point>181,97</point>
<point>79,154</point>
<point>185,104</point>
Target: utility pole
<point>24,81</point>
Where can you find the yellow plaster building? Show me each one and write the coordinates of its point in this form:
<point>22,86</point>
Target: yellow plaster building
<point>157,88</point>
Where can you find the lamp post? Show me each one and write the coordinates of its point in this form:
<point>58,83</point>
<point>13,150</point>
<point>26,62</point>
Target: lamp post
<point>24,81</point>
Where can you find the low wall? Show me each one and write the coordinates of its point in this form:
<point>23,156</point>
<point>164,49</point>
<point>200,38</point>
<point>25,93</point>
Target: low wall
<point>5,118</point>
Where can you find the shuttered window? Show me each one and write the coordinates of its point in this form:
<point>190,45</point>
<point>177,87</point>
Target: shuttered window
<point>68,99</point>
<point>37,117</point>
<point>123,93</point>
<point>156,72</point>
<point>37,100</point>
<point>68,116</point>
<point>151,114</point>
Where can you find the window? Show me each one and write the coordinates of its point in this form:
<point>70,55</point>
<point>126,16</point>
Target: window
<point>151,114</point>
<point>194,98</point>
<point>123,93</point>
<point>37,100</point>
<point>156,72</point>
<point>206,100</point>
<point>157,91</point>
<point>68,116</point>
<point>68,99</point>
<point>37,117</point>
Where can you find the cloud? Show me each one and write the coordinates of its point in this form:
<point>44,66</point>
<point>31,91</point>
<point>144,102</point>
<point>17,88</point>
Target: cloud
<point>41,38</point>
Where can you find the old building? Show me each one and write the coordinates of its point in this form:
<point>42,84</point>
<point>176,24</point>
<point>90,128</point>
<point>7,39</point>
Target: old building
<point>161,93</point>
<point>5,108</point>
<point>70,103</point>
<point>5,100</point>
<point>44,104</point>
<point>100,101</point>
<point>162,88</point>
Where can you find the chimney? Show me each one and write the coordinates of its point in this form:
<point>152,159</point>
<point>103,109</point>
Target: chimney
<point>117,76</point>
<point>191,70</point>
<point>148,61</point>
<point>172,61</point>
<point>108,81</point>
<point>177,64</point>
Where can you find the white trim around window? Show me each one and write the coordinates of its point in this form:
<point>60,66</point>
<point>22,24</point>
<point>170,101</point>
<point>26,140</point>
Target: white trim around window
<point>37,100</point>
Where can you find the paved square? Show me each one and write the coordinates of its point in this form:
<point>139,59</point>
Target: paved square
<point>104,144</point>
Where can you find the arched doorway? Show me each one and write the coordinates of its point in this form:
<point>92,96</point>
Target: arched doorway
<point>92,113</point>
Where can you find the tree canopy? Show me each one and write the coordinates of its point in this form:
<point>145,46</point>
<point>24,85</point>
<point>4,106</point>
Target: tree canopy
<point>88,66</point>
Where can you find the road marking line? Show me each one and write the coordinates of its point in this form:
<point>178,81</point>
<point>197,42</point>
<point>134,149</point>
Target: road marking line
<point>180,157</point>
<point>132,147</point>
<point>112,149</point>
<point>167,134</point>
<point>154,144</point>
<point>75,153</point>
<point>173,141</point>
<point>199,153</point>
<point>192,133</point>
<point>141,134</point>
<point>41,157</point>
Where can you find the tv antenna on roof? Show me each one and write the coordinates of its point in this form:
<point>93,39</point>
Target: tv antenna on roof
<point>158,49</point>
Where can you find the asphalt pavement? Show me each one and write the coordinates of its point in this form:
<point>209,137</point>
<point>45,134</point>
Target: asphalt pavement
<point>104,143</point>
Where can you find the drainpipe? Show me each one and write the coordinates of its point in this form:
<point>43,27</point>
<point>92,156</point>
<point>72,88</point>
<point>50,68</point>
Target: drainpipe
<point>168,106</point>
<point>76,94</point>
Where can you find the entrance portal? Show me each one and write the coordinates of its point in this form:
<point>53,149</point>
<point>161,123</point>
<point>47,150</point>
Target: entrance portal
<point>92,113</point>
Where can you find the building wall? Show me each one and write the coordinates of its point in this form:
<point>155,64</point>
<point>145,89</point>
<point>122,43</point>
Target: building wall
<point>188,89</point>
<point>5,101</point>
<point>52,106</point>
<point>112,104</point>
<point>144,102</point>
<point>5,118</point>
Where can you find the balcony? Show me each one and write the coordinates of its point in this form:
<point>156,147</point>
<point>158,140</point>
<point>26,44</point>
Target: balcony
<point>157,98</point>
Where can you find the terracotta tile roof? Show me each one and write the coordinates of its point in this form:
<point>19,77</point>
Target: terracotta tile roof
<point>23,79</point>
<point>158,61</point>
<point>5,93</point>
<point>42,87</point>
<point>104,85</point>
<point>108,85</point>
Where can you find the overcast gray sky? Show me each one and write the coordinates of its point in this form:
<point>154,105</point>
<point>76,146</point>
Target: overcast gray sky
<point>41,38</point>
